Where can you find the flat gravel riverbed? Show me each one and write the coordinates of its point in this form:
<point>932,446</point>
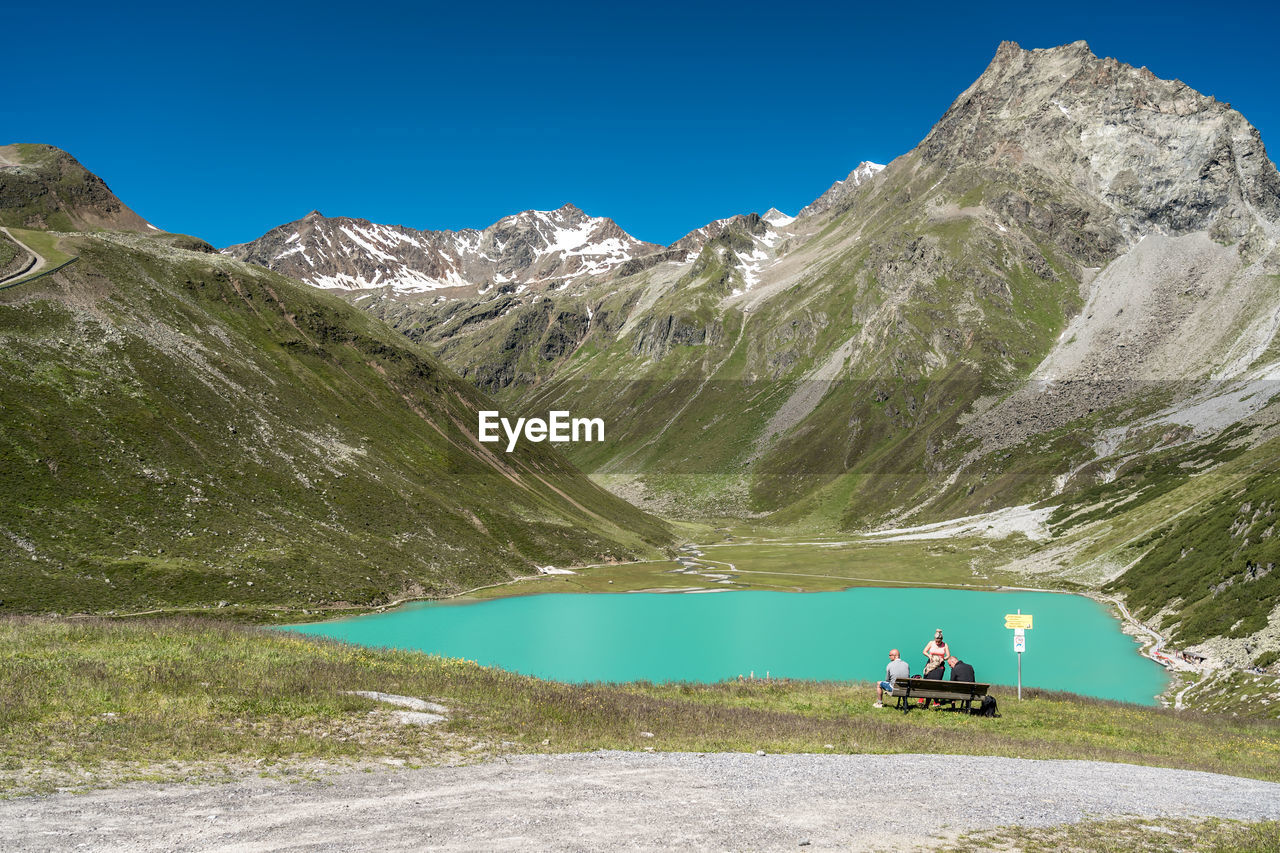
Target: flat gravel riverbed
<point>623,800</point>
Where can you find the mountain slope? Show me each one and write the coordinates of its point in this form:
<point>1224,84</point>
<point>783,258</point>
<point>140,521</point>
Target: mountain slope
<point>179,428</point>
<point>45,187</point>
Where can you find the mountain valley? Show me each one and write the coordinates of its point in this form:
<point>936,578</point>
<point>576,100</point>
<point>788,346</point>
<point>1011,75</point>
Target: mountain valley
<point>1064,302</point>
<point>1066,297</point>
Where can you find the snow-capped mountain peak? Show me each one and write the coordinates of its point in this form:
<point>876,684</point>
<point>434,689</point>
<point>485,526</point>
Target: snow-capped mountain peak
<point>777,218</point>
<point>531,249</point>
<point>842,190</point>
<point>535,247</point>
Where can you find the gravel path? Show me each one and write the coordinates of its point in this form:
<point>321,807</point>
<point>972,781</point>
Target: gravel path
<point>613,800</point>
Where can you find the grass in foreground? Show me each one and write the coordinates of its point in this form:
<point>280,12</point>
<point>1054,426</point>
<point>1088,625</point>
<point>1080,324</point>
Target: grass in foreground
<point>96,701</point>
<point>1130,836</point>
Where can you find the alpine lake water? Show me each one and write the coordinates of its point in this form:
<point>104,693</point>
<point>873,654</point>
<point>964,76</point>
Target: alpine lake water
<point>1074,645</point>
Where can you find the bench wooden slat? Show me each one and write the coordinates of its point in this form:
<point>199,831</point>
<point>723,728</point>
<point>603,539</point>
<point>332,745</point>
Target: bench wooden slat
<point>905,689</point>
<point>940,694</point>
<point>951,688</point>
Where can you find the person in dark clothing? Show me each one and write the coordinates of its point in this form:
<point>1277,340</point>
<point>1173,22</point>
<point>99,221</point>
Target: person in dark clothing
<point>936,673</point>
<point>961,671</point>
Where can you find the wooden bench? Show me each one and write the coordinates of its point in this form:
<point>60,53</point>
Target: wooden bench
<point>964,692</point>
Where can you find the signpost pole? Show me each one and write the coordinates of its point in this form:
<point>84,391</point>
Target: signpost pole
<point>1019,622</point>
<point>1019,669</point>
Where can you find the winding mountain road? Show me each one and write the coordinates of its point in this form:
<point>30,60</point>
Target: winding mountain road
<point>35,266</point>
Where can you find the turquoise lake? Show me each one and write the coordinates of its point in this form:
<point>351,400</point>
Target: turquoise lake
<point>1076,645</point>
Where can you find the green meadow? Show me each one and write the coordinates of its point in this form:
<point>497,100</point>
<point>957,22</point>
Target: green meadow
<point>93,702</point>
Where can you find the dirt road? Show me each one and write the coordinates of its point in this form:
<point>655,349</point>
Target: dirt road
<point>614,801</point>
<point>27,269</point>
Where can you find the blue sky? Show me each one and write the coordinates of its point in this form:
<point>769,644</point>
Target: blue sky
<point>225,120</point>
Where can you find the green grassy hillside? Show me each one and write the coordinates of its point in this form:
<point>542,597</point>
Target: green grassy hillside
<point>1218,562</point>
<point>179,429</point>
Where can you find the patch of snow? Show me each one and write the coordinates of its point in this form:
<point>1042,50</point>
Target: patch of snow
<point>865,172</point>
<point>400,278</point>
<point>568,239</point>
<point>364,240</point>
<point>751,266</point>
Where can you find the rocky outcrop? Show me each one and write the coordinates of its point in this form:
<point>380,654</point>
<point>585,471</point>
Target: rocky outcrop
<point>660,334</point>
<point>1160,156</point>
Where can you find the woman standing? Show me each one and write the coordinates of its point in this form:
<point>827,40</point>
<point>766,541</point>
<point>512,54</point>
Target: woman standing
<point>937,653</point>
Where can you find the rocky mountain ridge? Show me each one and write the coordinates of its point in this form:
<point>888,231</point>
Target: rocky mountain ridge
<point>1161,157</point>
<point>531,249</point>
<point>842,190</point>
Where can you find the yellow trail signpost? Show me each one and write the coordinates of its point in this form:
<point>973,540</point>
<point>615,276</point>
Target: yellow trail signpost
<point>1020,623</point>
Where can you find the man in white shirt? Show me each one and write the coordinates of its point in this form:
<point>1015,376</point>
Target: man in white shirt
<point>896,669</point>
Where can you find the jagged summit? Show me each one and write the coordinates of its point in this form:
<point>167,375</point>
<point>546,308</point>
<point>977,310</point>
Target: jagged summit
<point>840,191</point>
<point>1162,156</point>
<point>534,247</point>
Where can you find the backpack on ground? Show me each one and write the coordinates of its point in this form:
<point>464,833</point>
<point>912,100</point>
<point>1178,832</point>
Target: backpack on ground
<point>988,708</point>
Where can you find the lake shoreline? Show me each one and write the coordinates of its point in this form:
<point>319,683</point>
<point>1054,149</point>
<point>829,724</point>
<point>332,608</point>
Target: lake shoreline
<point>832,635</point>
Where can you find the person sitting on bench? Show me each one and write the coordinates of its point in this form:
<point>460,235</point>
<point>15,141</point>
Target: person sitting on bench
<point>896,669</point>
<point>961,671</point>
<point>935,670</point>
